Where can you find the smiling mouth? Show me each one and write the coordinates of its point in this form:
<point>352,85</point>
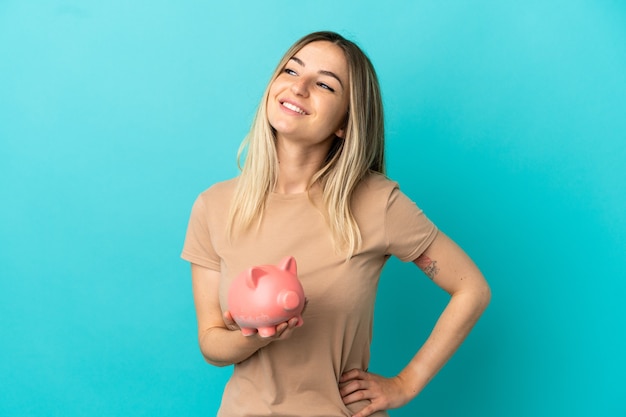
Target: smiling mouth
<point>293,107</point>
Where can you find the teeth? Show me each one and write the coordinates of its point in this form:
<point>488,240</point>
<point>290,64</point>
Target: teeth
<point>294,108</point>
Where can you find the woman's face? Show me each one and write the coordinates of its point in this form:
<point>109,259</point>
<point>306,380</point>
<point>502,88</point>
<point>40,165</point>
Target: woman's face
<point>308,101</point>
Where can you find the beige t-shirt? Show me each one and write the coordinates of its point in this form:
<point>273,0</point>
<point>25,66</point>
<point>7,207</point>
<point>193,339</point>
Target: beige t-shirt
<point>298,376</point>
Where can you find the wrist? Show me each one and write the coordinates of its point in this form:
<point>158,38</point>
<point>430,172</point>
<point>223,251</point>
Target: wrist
<point>412,381</point>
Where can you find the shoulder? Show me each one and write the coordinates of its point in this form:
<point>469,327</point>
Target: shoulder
<point>371,197</point>
<point>215,200</point>
<point>375,186</point>
<point>219,190</point>
<point>377,192</point>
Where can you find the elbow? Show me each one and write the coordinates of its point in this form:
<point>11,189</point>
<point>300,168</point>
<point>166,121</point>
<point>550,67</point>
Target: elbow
<point>483,296</point>
<point>211,357</point>
<point>477,294</point>
<point>219,364</point>
<point>212,360</point>
<point>478,297</point>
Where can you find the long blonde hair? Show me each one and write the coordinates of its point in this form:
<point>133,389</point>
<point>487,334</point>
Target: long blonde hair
<point>348,161</point>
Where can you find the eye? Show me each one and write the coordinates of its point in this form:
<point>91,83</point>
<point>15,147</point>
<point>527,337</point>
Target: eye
<point>290,71</point>
<point>326,87</point>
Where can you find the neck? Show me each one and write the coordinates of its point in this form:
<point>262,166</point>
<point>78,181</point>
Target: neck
<point>297,166</point>
<point>294,178</point>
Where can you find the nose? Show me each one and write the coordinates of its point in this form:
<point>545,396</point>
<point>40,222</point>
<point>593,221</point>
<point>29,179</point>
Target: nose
<point>300,87</point>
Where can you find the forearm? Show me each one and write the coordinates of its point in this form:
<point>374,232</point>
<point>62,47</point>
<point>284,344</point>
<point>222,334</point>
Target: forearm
<point>453,326</point>
<point>222,347</point>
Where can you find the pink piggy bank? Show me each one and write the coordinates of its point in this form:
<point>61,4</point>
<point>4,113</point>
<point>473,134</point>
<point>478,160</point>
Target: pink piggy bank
<point>263,296</point>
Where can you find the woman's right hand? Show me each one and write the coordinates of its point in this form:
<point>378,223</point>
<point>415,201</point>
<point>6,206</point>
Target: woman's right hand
<point>220,338</point>
<point>283,330</point>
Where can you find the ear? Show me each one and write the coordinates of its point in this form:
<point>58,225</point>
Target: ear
<point>341,132</point>
<point>253,276</point>
<point>289,264</point>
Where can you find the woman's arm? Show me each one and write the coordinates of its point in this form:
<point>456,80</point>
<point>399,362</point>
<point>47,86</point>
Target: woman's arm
<point>220,339</point>
<point>452,270</point>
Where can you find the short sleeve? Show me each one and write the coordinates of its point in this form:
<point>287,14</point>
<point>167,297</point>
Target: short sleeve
<point>409,231</point>
<point>198,248</point>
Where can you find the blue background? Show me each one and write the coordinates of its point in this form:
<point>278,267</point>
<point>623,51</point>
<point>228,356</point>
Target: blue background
<point>506,122</point>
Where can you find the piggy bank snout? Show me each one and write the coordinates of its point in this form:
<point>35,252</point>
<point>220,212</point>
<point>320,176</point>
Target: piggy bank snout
<point>288,299</point>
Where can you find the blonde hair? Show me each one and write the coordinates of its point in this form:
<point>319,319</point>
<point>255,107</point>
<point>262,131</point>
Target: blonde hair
<point>348,161</point>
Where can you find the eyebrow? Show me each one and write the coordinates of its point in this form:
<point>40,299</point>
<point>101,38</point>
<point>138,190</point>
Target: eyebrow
<point>323,72</point>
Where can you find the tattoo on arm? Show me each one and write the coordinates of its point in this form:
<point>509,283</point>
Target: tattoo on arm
<point>428,266</point>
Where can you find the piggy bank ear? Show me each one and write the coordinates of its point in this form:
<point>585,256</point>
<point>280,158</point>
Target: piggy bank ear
<point>289,264</point>
<point>253,276</point>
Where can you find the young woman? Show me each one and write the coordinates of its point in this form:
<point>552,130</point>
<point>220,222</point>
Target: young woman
<point>313,187</point>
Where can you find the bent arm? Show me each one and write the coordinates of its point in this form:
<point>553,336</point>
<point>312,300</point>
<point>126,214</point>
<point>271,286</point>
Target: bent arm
<point>452,270</point>
<point>219,345</point>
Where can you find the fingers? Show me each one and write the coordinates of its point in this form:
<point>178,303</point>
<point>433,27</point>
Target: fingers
<point>352,374</point>
<point>354,386</point>
<point>367,411</point>
<point>281,331</point>
<point>380,393</point>
<point>229,321</point>
<point>284,330</point>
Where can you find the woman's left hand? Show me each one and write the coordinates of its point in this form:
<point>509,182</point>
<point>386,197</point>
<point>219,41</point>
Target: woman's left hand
<point>383,393</point>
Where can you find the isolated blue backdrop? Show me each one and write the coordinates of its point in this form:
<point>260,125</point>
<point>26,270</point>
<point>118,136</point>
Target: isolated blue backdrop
<point>506,123</point>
